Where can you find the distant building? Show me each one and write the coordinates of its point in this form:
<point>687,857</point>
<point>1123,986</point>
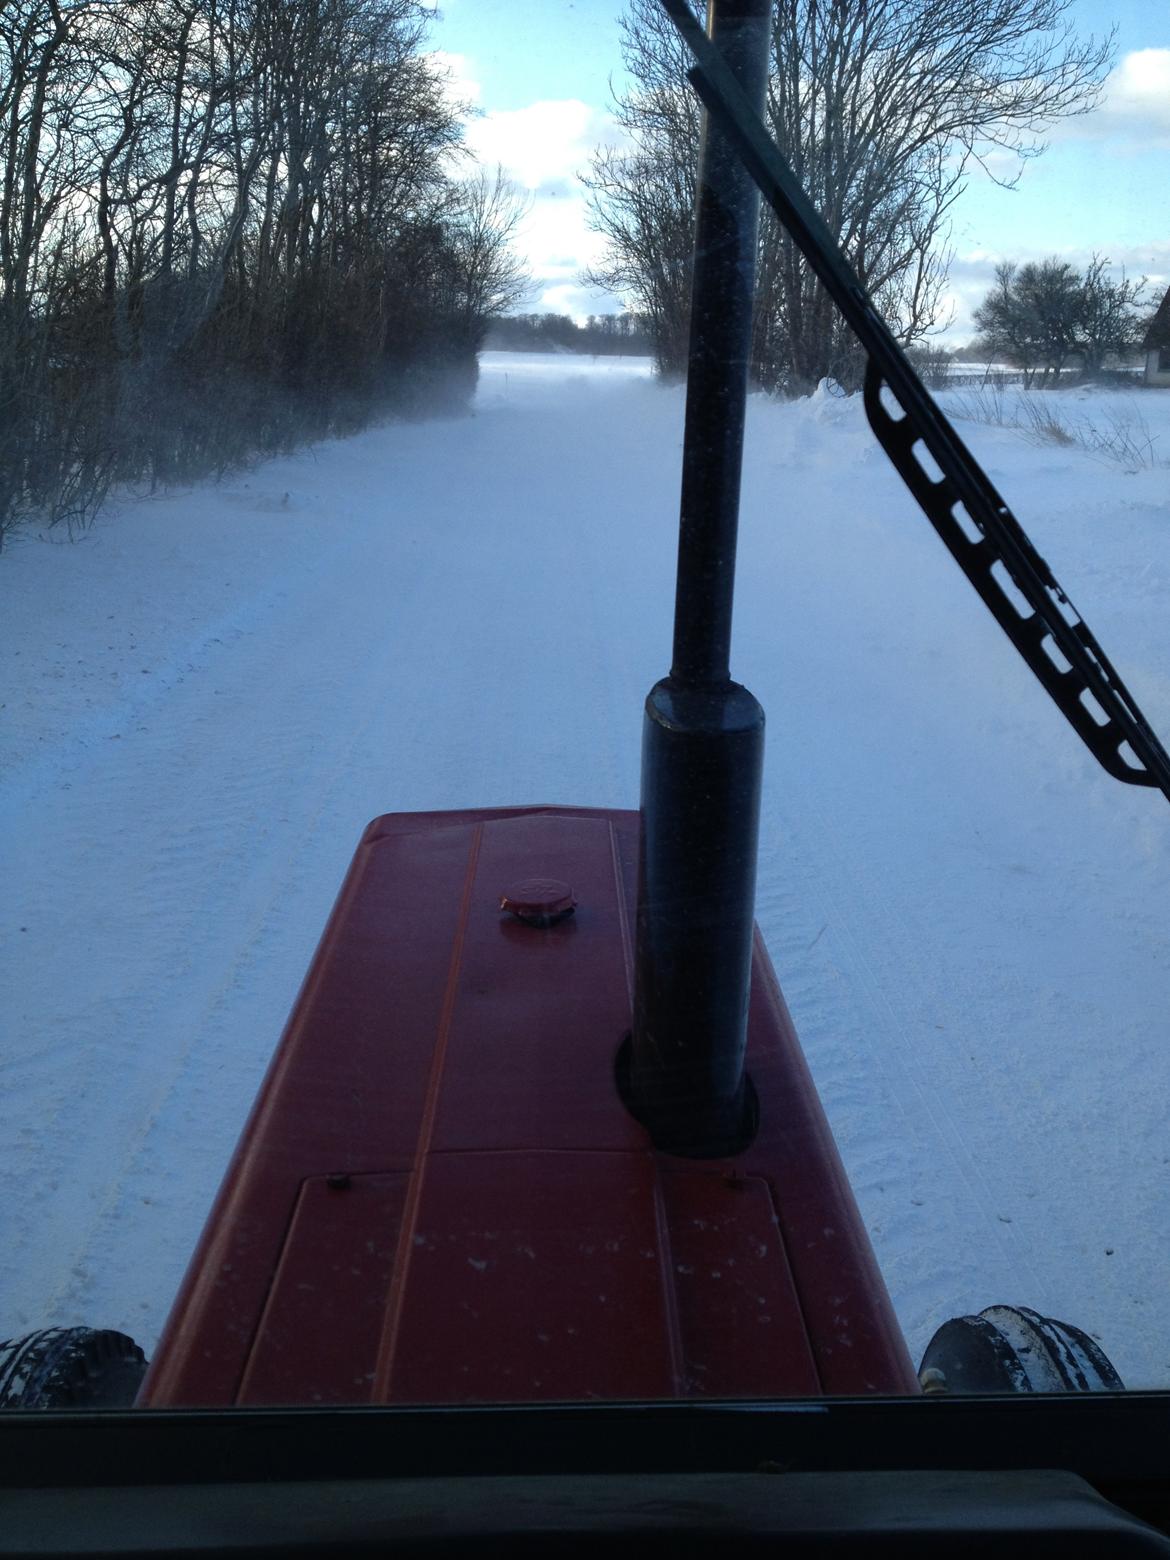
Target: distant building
<point>1156,345</point>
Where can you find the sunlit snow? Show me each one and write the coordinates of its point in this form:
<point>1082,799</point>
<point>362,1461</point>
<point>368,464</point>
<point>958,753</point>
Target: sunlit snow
<point>208,696</point>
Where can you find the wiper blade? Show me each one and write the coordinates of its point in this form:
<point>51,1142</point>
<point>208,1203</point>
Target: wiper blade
<point>978,528</point>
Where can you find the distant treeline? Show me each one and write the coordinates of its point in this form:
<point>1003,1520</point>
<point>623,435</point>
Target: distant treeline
<point>226,226</point>
<point>601,335</point>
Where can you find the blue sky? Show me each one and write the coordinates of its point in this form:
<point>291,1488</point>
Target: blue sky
<point>539,76</point>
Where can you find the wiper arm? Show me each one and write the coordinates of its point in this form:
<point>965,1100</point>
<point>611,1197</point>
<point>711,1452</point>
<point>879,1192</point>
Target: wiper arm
<point>978,528</point>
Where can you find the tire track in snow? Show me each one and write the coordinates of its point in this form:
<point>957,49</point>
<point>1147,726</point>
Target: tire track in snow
<point>168,957</point>
<point>872,1013</point>
<point>913,1172</point>
<point>902,741</point>
<point>237,852</point>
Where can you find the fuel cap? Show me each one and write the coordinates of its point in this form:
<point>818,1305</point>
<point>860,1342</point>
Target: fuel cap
<point>538,901</point>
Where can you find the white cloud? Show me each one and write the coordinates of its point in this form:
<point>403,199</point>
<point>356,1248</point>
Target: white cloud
<point>1138,90</point>
<point>1134,107</point>
<point>577,301</point>
<point>1000,164</point>
<point>459,72</point>
<point>541,148</point>
<point>557,235</point>
<point>542,143</point>
<point>558,245</point>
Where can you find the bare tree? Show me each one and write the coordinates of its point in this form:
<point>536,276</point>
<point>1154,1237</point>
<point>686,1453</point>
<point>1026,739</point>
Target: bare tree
<point>1111,322</point>
<point>226,225</point>
<point>883,110</point>
<point>50,121</point>
<point>491,277</point>
<point>1045,316</point>
<point>642,196</point>
<point>1031,315</point>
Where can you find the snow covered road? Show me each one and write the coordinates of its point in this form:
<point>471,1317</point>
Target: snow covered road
<point>210,694</point>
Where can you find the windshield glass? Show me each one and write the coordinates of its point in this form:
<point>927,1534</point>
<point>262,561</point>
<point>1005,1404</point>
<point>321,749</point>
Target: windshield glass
<point>343,352</point>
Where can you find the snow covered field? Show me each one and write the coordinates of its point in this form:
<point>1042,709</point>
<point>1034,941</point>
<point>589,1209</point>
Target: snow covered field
<point>207,697</point>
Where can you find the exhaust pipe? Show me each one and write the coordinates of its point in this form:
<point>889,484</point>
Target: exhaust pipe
<point>703,735</point>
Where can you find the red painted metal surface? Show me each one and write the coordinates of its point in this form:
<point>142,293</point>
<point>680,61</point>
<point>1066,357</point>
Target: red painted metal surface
<point>539,901</point>
<point>439,1196</point>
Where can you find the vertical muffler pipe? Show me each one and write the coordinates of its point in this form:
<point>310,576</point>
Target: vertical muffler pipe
<point>703,735</point>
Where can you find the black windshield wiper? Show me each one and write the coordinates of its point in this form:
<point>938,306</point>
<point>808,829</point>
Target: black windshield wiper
<point>978,528</point>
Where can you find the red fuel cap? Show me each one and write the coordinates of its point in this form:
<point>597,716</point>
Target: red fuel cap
<point>539,901</point>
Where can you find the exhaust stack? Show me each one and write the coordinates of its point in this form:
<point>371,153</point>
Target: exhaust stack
<point>703,735</point>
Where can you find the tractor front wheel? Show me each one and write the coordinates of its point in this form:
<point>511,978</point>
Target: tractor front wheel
<point>1008,1348</point>
<point>70,1367</point>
